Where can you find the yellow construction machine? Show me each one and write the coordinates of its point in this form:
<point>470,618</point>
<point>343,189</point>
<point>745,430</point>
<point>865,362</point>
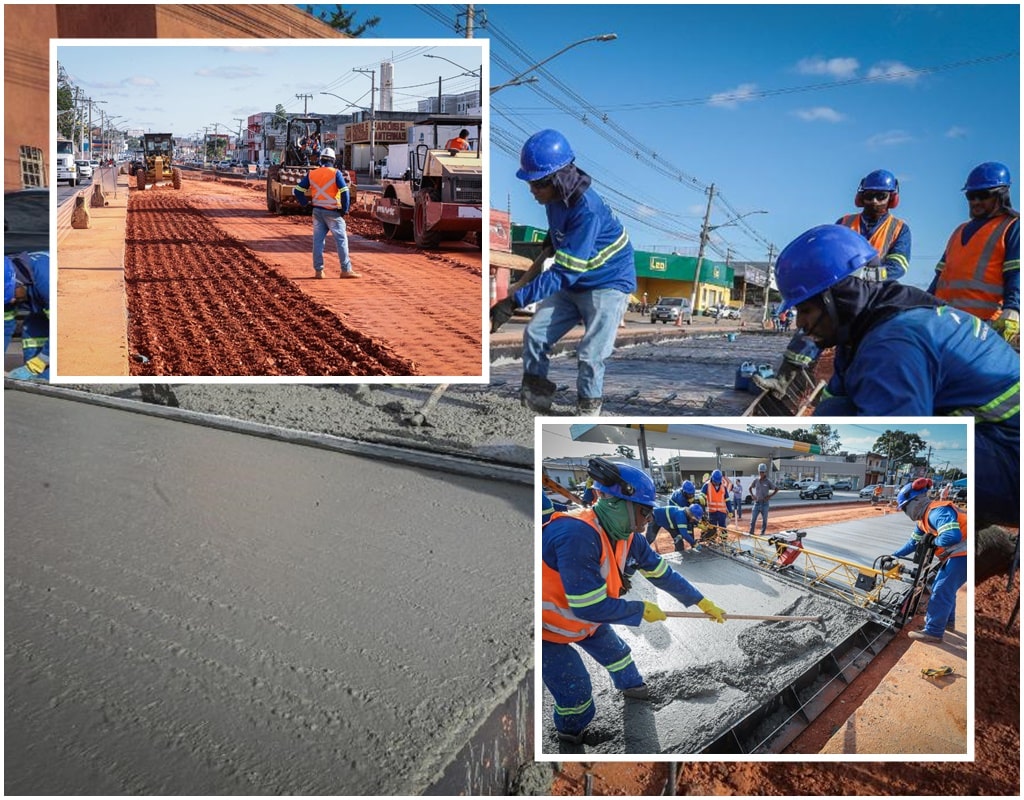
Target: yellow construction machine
<point>158,150</point>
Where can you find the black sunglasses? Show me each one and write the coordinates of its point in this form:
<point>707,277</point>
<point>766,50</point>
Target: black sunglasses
<point>980,194</point>
<point>541,184</point>
<point>879,197</point>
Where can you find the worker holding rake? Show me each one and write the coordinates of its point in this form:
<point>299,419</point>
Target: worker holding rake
<point>584,558</point>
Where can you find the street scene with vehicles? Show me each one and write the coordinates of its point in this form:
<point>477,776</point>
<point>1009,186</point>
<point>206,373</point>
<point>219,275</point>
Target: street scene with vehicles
<point>303,565</point>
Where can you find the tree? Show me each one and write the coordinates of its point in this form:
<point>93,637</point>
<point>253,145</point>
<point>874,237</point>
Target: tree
<point>66,116</point>
<point>343,21</point>
<point>901,447</point>
<point>828,439</point>
<point>280,119</point>
<point>799,435</point>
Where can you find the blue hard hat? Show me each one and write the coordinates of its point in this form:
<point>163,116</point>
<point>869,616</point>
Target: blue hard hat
<point>634,485</point>
<point>716,476</point>
<point>881,180</point>
<point>688,487</point>
<point>911,490</point>
<point>547,508</point>
<point>817,259</point>
<point>697,510</point>
<point>988,176</point>
<point>545,152</point>
<point>9,282</point>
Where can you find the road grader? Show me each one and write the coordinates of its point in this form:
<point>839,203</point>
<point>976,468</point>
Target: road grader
<point>158,155</point>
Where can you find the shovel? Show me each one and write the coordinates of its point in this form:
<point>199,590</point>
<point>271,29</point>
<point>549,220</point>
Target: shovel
<point>702,615</point>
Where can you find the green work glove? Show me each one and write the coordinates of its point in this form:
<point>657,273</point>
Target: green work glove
<point>711,610</point>
<point>652,613</point>
<point>1007,324</point>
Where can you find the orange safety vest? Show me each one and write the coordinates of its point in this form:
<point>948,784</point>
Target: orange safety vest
<point>972,277</point>
<point>560,623</point>
<point>324,188</point>
<point>716,498</point>
<point>956,551</point>
<point>458,143</point>
<point>882,237</point>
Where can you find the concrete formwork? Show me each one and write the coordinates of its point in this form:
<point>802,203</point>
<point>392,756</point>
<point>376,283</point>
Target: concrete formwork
<point>706,678</point>
<point>195,611</point>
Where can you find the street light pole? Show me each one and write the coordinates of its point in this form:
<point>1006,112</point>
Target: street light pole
<point>604,37</point>
<point>373,139</point>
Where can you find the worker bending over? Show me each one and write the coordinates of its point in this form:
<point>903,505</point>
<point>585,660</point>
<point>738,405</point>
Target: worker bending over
<point>584,558</point>
<point>680,522</point>
<point>27,288</point>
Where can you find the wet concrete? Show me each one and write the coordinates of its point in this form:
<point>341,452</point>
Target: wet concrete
<point>193,611</point>
<point>705,677</point>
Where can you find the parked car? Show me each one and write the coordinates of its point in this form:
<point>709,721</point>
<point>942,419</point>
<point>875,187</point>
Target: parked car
<point>669,309</point>
<point>843,486</point>
<point>815,491</point>
<point>85,169</point>
<point>787,483</point>
<point>27,221</point>
<point>729,313</point>
<point>867,491</point>
<point>802,482</point>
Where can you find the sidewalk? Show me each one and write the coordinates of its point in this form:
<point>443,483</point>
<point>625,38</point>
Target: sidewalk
<point>90,317</point>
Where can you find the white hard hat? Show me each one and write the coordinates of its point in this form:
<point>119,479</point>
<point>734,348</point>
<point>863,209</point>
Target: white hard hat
<point>762,467</point>
<point>327,152</point>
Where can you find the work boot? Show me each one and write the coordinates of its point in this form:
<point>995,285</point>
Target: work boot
<point>537,393</point>
<point>588,406</point>
<point>924,637</point>
<point>571,738</point>
<point>641,692</point>
<point>319,274</point>
<point>349,274</point>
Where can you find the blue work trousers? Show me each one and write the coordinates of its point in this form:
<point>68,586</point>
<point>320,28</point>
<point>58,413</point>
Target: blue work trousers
<point>762,509</point>
<point>942,603</point>
<point>566,676</point>
<point>599,310</point>
<point>324,220</point>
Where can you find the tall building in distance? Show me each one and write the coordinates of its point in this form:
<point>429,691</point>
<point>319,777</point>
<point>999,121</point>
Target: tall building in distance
<point>387,86</point>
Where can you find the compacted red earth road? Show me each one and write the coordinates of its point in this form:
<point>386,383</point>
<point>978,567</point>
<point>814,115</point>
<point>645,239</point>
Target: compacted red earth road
<point>217,286</point>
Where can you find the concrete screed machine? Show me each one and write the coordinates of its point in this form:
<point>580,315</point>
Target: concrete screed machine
<point>440,197</point>
<point>301,155</point>
<point>158,156</point>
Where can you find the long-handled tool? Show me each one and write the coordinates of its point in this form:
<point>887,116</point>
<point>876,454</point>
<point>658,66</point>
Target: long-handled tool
<point>728,616</point>
<point>419,418</point>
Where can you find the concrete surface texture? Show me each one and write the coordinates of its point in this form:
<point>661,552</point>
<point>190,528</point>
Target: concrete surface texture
<point>275,619</point>
<point>705,677</point>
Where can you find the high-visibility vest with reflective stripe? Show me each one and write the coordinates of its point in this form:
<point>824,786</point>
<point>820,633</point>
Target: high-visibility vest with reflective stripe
<point>972,276</point>
<point>882,237</point>
<point>323,187</point>
<point>560,623</point>
<point>957,550</point>
<point>716,498</point>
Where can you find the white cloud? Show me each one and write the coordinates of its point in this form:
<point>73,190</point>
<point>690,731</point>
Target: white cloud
<point>956,132</point>
<point>732,98</point>
<point>834,67</point>
<point>230,73</point>
<point>819,113</point>
<point>140,80</point>
<point>895,71</point>
<point>889,139</point>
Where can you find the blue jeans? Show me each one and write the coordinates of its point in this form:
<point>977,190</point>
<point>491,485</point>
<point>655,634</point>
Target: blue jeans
<point>599,310</point>
<point>326,220</point>
<point>762,509</point>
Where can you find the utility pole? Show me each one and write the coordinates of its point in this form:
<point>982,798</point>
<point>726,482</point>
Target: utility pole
<point>470,14</point>
<point>704,231</point>
<point>768,282</point>
<point>305,98</point>
<point>373,128</point>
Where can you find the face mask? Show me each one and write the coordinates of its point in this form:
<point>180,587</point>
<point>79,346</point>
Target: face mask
<point>615,517</point>
<point>915,508</point>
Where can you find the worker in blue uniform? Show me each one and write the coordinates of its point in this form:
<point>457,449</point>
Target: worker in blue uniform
<point>902,352</point>
<point>716,490</point>
<point>686,495</point>
<point>27,288</point>
<point>589,281</point>
<point>548,507</point>
<point>877,194</point>
<point>947,525</point>
<point>680,522</point>
<point>327,190</point>
<point>583,557</point>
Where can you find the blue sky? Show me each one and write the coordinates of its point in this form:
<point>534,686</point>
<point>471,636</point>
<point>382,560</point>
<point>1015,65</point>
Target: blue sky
<point>723,94</point>
<point>948,439</point>
<point>184,88</point>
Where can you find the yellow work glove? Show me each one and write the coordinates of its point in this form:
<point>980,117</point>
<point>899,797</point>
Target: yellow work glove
<point>652,613</point>
<point>1007,324</point>
<point>36,365</point>
<point>711,610</point>
<point>590,482</point>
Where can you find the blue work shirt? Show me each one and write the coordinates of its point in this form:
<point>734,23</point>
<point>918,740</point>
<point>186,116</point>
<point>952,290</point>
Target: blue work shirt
<point>944,524</point>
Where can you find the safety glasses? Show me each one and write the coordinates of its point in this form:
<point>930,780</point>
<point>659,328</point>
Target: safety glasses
<point>543,183</point>
<point>876,197</point>
<point>980,194</point>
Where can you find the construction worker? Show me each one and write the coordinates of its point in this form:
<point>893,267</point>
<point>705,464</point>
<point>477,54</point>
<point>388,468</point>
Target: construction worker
<point>737,499</point>
<point>687,494</point>
<point>584,555</point>
<point>716,490</point>
<point>762,490</point>
<point>680,522</point>
<point>877,194</point>
<point>326,188</point>
<point>460,142</point>
<point>980,270</point>
<point>27,287</point>
<point>590,494</point>
<point>549,507</point>
<point>901,351</point>
<point>590,280</point>
<point>946,524</point>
